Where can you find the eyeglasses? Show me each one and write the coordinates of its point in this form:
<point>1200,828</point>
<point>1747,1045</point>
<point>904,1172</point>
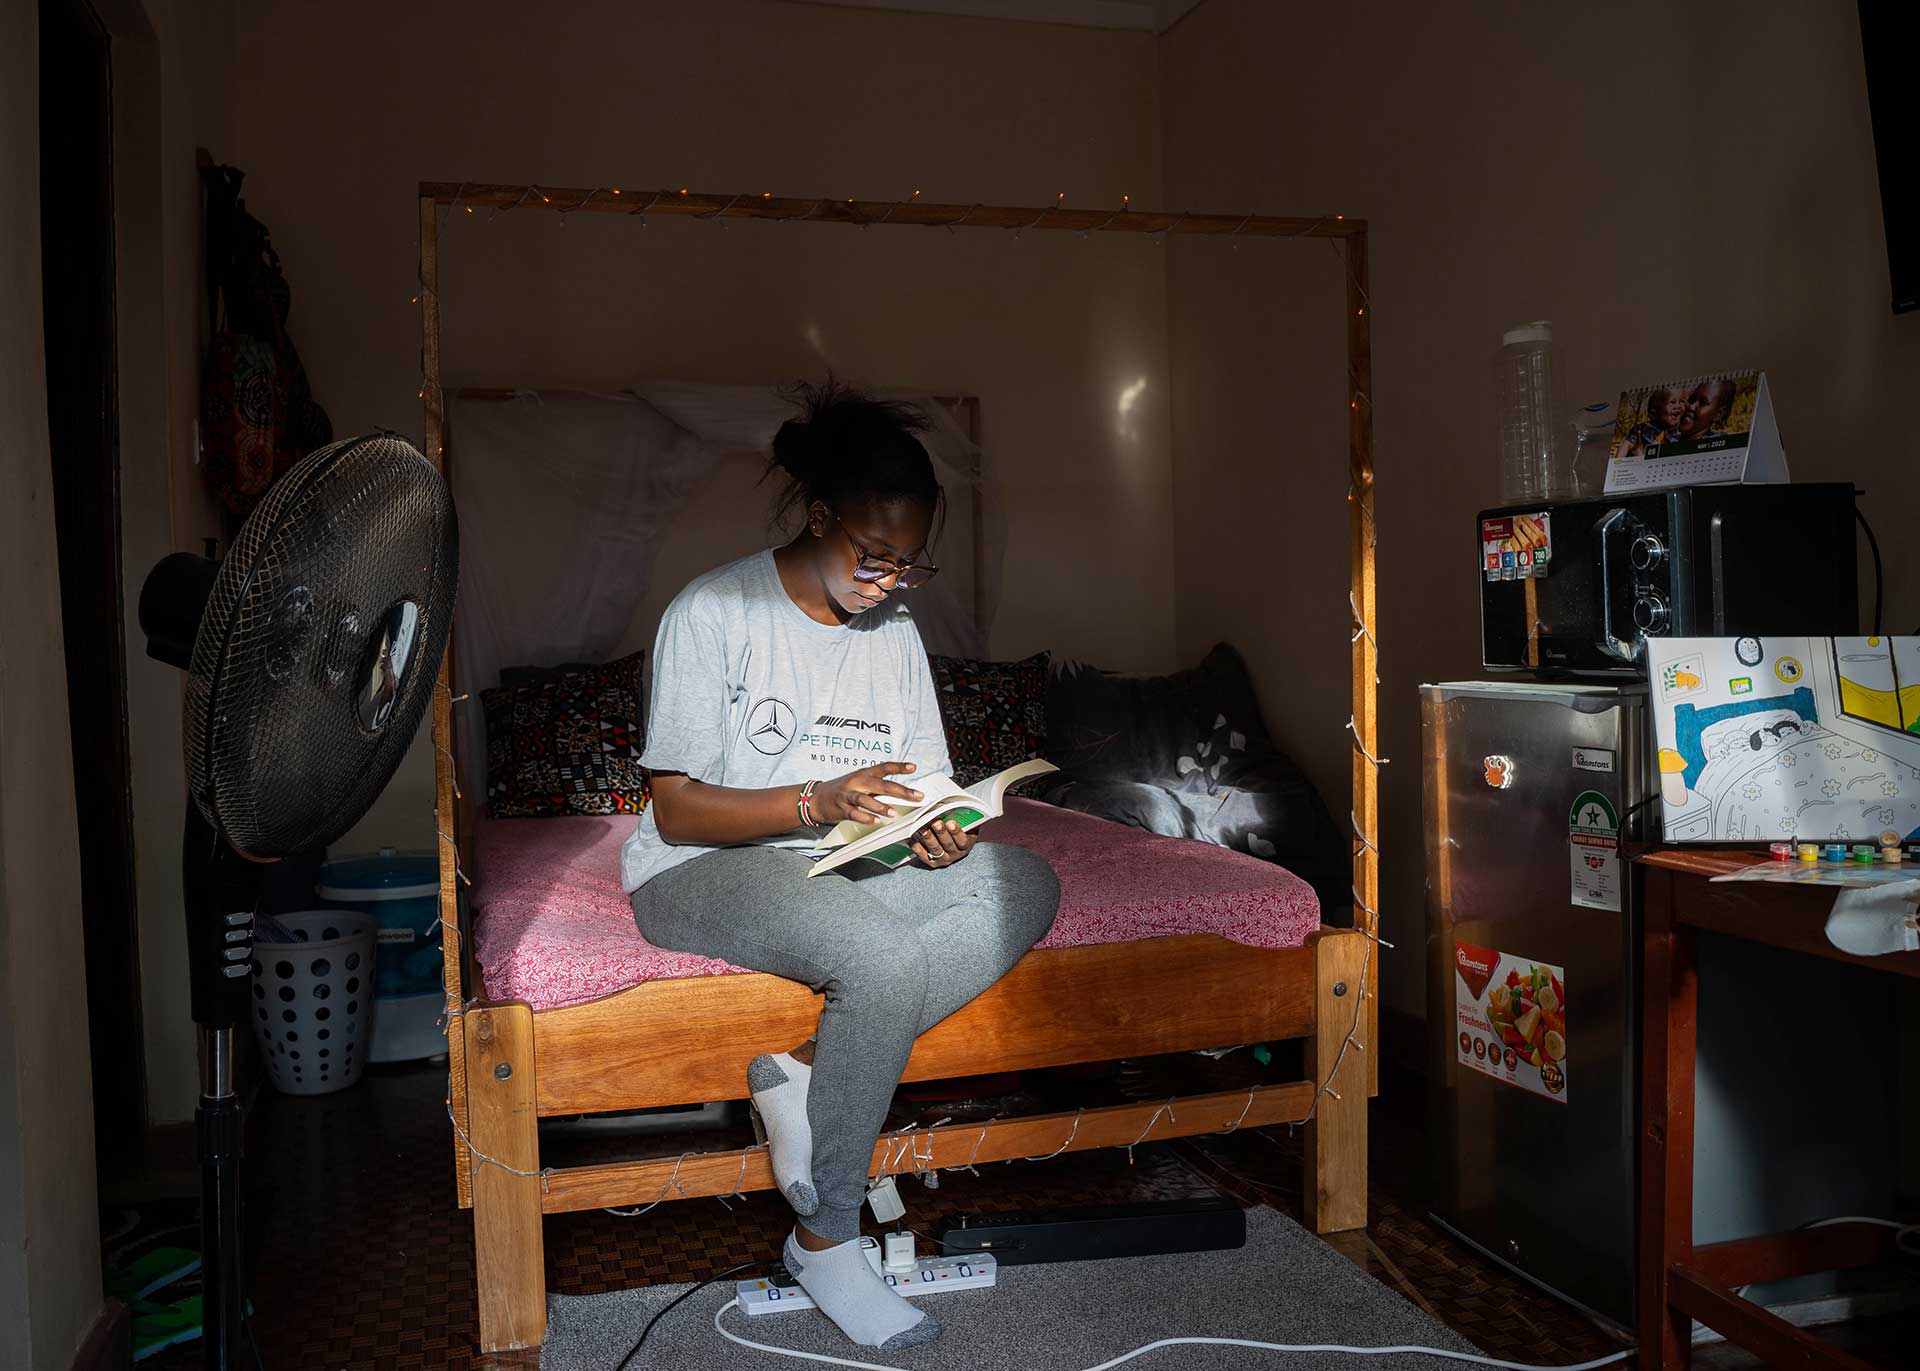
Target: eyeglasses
<point>870,568</point>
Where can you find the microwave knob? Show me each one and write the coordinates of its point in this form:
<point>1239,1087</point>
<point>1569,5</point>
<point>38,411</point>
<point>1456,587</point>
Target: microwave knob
<point>1650,612</point>
<point>1647,552</point>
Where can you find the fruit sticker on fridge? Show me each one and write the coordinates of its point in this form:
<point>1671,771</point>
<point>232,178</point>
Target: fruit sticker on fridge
<point>1511,1019</point>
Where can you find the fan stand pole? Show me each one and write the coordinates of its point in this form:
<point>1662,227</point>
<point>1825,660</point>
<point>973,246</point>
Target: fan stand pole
<point>218,1123</point>
<point>221,890</point>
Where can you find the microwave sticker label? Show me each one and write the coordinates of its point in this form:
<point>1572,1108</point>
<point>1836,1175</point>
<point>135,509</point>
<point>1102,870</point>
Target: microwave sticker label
<point>1516,546</point>
<point>1510,1019</point>
<point>1592,759</point>
<point>1593,852</point>
<point>1687,676</point>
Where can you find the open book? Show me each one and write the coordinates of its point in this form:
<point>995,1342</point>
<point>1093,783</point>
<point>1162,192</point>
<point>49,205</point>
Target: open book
<point>887,843</point>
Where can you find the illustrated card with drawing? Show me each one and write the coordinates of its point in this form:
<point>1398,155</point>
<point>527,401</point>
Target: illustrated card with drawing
<point>1796,739</point>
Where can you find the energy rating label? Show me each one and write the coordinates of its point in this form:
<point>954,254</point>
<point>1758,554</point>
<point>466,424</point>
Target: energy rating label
<point>1593,851</point>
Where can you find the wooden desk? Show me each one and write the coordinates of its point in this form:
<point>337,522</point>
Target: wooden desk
<point>1679,1282</point>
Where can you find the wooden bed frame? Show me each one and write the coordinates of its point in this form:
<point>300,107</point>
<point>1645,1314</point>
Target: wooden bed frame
<point>689,1041</point>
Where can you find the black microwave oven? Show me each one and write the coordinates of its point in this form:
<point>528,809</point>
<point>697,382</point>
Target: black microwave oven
<point>1582,584</point>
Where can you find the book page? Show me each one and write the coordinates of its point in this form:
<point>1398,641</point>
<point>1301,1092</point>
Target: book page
<point>993,790</point>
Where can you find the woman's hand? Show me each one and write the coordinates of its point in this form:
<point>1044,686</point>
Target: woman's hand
<point>853,796</point>
<point>941,843</point>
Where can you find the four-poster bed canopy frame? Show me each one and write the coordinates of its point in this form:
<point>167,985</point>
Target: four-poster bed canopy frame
<point>689,1041</point>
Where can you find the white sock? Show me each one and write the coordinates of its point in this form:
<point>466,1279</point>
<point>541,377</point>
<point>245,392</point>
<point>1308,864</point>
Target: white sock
<point>778,1084</point>
<point>865,1307</point>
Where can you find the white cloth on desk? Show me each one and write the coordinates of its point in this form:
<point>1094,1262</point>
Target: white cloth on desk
<point>1876,920</point>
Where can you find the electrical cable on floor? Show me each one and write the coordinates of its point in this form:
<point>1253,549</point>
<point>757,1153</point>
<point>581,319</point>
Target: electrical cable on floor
<point>731,1271</point>
<point>1904,1233</point>
<point>1473,1357</point>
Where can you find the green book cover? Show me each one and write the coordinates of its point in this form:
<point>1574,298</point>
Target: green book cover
<point>898,854</point>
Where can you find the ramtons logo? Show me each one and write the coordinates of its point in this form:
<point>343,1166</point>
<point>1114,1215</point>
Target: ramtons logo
<point>1475,965</point>
<point>832,721</point>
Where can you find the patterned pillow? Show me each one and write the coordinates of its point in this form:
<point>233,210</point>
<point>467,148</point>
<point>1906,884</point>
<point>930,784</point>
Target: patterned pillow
<point>568,742</point>
<point>995,713</point>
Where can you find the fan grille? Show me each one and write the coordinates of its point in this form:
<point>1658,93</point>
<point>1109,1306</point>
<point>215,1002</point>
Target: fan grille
<point>285,748</point>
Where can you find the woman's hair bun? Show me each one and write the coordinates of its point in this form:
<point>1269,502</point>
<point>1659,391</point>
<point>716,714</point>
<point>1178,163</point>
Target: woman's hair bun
<point>848,444</point>
<point>797,451</point>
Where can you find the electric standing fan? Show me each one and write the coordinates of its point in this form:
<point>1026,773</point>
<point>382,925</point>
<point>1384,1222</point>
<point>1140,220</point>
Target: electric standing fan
<point>311,651</point>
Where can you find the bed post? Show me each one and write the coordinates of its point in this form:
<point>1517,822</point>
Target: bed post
<point>1366,654</point>
<point>1334,1193</point>
<point>509,1262</point>
<point>444,819</point>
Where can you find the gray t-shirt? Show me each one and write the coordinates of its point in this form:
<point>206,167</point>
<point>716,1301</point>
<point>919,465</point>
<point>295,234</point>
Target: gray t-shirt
<point>748,691</point>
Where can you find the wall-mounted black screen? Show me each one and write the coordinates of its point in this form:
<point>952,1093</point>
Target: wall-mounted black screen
<point>1890,35</point>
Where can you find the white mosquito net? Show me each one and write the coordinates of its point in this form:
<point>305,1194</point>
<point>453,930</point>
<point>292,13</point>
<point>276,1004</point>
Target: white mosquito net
<point>582,514</point>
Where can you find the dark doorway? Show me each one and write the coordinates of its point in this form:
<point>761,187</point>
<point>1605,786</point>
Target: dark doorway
<point>76,236</point>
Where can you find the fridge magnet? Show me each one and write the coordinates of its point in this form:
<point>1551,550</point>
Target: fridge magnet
<point>1511,1019</point>
<point>1825,748</point>
<point>1498,770</point>
<point>1593,848</point>
<point>1695,432</point>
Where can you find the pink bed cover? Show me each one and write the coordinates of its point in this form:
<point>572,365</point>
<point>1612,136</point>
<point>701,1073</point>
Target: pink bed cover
<point>553,928</point>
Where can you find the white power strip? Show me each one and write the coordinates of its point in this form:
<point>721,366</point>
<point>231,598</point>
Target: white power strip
<point>933,1277</point>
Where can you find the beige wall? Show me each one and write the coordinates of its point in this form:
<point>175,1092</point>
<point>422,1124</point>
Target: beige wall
<point>1258,338</point>
<point>49,1241</point>
<point>1048,331</point>
<point>1515,163</point>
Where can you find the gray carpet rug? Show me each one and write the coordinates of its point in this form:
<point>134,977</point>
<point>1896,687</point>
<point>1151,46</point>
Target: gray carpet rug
<point>1284,1286</point>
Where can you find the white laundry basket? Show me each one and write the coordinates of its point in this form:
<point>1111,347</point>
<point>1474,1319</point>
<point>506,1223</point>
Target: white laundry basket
<point>313,1000</point>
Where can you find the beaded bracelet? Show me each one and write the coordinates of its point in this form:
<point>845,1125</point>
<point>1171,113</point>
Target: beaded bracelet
<point>806,808</point>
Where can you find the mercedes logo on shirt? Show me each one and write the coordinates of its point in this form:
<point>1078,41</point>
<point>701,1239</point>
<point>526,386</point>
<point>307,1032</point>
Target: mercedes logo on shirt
<point>770,726</point>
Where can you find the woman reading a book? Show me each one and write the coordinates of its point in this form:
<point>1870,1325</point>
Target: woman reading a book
<point>791,692</point>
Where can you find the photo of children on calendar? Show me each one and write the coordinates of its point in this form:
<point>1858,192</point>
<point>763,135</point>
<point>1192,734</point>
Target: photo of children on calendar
<point>1681,418</point>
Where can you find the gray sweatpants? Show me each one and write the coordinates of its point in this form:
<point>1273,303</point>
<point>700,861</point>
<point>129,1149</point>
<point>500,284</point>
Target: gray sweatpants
<point>895,952</point>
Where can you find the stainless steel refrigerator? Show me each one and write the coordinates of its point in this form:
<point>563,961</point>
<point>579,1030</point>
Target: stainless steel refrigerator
<point>1533,942</point>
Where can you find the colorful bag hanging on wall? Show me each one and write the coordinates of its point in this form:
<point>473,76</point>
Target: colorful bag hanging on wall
<point>257,412</point>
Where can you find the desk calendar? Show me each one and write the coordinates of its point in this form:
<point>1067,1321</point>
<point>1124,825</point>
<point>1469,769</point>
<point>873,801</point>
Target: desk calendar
<point>1697,431</point>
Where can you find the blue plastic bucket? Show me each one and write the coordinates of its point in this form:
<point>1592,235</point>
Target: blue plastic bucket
<point>401,890</point>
